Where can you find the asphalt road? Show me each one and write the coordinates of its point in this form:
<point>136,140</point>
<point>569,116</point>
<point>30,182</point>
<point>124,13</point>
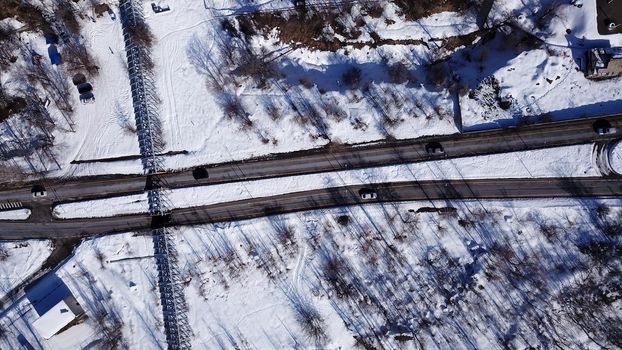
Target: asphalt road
<point>578,131</point>
<point>45,227</point>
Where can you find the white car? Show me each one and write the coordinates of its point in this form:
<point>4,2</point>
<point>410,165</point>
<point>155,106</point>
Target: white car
<point>38,191</point>
<point>606,131</point>
<point>367,194</point>
<point>604,127</point>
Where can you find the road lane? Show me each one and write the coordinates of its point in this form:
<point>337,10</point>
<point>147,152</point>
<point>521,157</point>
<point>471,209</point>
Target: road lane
<point>323,198</point>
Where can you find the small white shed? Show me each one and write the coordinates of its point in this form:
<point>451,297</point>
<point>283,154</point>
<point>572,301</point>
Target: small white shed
<point>58,317</point>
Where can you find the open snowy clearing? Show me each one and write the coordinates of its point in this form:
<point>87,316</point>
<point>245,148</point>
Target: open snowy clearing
<point>99,129</point>
<point>541,79</point>
<point>117,292</point>
<point>19,260</point>
<point>567,161</point>
<point>394,275</point>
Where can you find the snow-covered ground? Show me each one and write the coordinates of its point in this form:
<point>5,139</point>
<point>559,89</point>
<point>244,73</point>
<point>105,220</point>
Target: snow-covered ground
<point>16,214</point>
<point>193,115</point>
<point>114,279</point>
<point>492,274</point>
<point>546,79</point>
<point>615,157</point>
<point>541,79</point>
<point>567,161</point>
<point>384,273</point>
<point>19,260</point>
<point>99,130</point>
<point>581,20</point>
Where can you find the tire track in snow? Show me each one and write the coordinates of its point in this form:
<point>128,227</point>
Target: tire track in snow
<point>173,118</point>
<point>300,265</point>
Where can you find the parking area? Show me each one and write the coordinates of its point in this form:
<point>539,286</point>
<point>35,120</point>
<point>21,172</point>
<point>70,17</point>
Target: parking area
<point>609,16</point>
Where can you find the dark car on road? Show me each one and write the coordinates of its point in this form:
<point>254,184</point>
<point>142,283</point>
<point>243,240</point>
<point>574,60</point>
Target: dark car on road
<point>434,148</point>
<point>200,173</point>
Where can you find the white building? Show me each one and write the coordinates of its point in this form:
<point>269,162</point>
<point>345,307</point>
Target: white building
<point>58,317</point>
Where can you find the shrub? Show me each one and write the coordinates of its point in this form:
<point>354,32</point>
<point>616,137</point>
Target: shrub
<point>438,75</point>
<point>141,34</point>
<point>65,11</point>
<point>549,231</point>
<point>8,44</point>
<point>343,220</point>
<point>309,318</point>
<point>233,109</point>
<point>414,10</point>
<point>374,9</point>
<point>4,253</point>
<point>352,77</point>
<point>255,66</point>
<point>78,58</point>
<point>332,110</point>
<point>306,82</point>
<point>603,210</point>
<point>398,73</point>
<point>273,110</point>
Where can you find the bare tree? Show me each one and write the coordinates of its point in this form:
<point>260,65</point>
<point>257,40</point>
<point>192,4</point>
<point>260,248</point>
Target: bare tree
<point>205,61</point>
<point>234,110</point>
<point>77,58</point>
<point>9,44</point>
<point>141,34</point>
<point>352,77</point>
<point>398,73</point>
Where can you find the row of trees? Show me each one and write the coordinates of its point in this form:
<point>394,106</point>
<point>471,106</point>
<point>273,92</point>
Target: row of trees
<point>539,280</point>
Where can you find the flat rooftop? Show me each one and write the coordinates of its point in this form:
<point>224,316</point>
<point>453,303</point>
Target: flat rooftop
<point>59,316</point>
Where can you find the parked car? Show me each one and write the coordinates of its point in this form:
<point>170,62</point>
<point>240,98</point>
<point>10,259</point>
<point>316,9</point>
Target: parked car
<point>603,127</point>
<point>87,98</point>
<point>367,194</point>
<point>38,191</point>
<point>83,88</point>
<point>606,131</point>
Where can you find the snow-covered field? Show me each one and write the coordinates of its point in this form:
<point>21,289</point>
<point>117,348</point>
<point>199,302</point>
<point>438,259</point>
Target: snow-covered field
<point>435,275</point>
<point>19,260</point>
<point>114,279</point>
<point>194,118</point>
<point>309,104</point>
<point>99,130</point>
<point>492,274</point>
<point>570,161</point>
